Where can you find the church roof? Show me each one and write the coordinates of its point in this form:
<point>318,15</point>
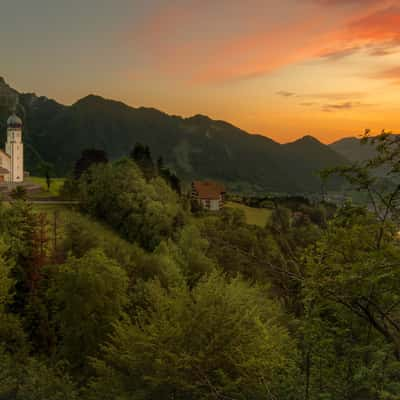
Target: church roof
<point>14,121</point>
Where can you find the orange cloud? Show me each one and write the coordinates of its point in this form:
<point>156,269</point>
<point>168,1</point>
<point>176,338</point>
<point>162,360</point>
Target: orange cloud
<point>186,41</point>
<point>349,2</point>
<point>392,74</point>
<point>381,26</point>
<point>260,54</point>
<point>376,32</point>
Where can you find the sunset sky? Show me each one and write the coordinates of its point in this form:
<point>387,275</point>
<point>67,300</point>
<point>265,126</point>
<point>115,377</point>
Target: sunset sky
<point>281,68</point>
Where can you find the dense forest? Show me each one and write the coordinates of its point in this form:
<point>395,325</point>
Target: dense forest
<point>135,296</point>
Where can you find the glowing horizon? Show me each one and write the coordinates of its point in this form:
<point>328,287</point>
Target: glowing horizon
<point>328,68</point>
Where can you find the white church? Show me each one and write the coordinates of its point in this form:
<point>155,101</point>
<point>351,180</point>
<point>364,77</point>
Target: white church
<point>12,159</point>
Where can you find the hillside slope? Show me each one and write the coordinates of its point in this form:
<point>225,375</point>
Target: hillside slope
<point>311,156</point>
<point>352,149</point>
<point>196,147</point>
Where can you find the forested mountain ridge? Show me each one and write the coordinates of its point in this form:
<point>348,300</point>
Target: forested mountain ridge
<point>352,149</point>
<point>195,147</point>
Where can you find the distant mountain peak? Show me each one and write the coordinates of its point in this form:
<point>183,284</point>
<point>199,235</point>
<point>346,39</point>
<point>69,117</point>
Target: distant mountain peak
<point>8,95</point>
<point>352,149</point>
<point>95,102</point>
<point>90,99</point>
<point>307,139</point>
<point>5,85</point>
<point>200,118</point>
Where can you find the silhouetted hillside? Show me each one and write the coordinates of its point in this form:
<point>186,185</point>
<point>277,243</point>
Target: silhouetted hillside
<point>352,149</point>
<point>196,147</point>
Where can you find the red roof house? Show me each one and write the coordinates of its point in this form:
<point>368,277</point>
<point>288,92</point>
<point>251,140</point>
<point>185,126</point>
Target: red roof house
<point>209,194</point>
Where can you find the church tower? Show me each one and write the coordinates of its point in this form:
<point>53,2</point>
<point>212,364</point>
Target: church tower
<point>15,149</point>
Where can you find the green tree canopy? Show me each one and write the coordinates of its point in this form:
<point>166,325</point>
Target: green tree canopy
<point>145,212</point>
<point>220,340</point>
<point>89,295</point>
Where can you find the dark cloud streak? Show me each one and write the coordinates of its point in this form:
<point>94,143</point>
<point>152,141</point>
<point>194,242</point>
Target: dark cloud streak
<point>307,104</point>
<point>344,106</point>
<point>285,93</point>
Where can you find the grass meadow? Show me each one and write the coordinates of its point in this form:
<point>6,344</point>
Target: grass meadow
<point>254,216</point>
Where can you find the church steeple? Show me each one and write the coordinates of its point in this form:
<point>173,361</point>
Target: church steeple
<point>15,148</point>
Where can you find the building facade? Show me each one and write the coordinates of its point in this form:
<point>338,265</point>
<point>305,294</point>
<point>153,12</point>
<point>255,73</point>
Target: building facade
<point>210,195</point>
<point>12,159</point>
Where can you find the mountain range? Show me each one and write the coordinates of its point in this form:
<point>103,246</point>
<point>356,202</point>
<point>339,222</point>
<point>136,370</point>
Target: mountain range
<point>195,148</point>
<point>352,149</point>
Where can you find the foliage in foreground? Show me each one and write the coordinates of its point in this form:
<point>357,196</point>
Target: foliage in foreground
<point>137,299</point>
<point>219,339</point>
